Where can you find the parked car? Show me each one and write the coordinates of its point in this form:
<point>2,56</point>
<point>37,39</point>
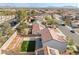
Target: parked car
<point>63,24</point>
<point>72,31</point>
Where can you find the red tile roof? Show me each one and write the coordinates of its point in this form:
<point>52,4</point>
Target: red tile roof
<point>45,34</point>
<point>14,43</point>
<point>51,33</point>
<point>57,35</point>
<point>37,27</point>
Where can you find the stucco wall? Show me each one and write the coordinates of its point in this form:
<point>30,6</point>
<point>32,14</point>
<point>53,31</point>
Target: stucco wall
<point>36,32</point>
<point>5,45</point>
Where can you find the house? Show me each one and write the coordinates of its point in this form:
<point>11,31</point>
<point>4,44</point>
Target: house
<point>75,23</point>
<point>11,44</point>
<point>58,17</point>
<point>77,17</point>
<point>53,38</point>
<point>36,28</point>
<point>47,51</point>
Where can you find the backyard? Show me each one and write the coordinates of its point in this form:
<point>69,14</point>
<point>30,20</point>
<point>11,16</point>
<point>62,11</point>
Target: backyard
<point>28,46</point>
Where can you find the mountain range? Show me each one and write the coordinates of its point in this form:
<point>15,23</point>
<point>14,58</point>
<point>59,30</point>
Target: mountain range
<point>37,5</point>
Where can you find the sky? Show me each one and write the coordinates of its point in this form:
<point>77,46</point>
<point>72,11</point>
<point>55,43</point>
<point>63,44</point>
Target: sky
<point>39,4</point>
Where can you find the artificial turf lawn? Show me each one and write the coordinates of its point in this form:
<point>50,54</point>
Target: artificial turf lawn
<point>28,46</point>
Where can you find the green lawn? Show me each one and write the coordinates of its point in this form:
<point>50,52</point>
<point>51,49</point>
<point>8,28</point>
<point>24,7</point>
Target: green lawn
<point>28,46</point>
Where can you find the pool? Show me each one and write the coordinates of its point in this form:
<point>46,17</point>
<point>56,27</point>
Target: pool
<point>28,46</point>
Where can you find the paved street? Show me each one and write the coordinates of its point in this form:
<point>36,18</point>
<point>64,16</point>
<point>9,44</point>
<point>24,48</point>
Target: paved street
<point>67,32</point>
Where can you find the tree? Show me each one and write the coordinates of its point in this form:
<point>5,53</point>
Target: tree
<point>70,41</point>
<point>44,23</point>
<point>71,46</point>
<point>21,14</point>
<point>21,29</point>
<point>68,22</point>
<point>50,20</point>
<point>33,12</point>
<point>48,17</point>
<point>7,29</point>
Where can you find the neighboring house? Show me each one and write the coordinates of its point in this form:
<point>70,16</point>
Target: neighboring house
<point>36,28</point>
<point>53,38</point>
<point>75,23</point>
<point>11,44</point>
<point>58,17</point>
<point>77,17</point>
<point>68,17</point>
<point>6,18</point>
<point>47,51</point>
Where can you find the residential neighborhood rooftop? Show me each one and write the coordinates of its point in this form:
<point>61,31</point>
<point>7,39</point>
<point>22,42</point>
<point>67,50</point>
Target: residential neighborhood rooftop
<point>39,31</point>
<point>47,51</point>
<point>55,34</point>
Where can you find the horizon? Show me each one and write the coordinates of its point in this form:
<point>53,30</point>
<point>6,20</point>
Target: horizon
<point>38,4</point>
